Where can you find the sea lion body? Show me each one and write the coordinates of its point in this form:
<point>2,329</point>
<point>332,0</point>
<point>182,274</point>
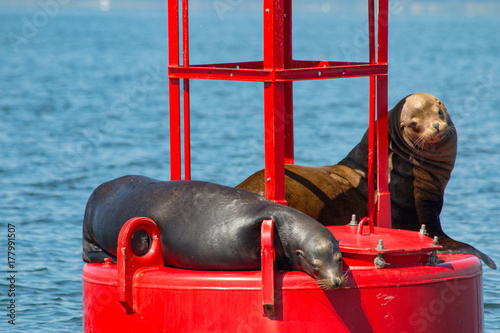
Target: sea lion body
<point>209,226</point>
<point>422,153</point>
<point>330,194</point>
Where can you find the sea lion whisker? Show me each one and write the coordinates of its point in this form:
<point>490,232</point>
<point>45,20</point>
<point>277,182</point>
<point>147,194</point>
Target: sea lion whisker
<point>309,283</point>
<point>345,277</point>
<point>325,284</point>
<point>422,141</point>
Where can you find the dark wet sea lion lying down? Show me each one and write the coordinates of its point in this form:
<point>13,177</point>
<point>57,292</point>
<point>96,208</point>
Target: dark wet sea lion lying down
<point>209,226</point>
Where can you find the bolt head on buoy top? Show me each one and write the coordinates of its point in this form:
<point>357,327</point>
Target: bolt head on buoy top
<point>423,230</point>
<point>353,220</point>
<point>380,245</point>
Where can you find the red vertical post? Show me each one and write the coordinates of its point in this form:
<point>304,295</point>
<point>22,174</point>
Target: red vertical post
<point>371,149</point>
<point>289,152</point>
<point>274,115</point>
<point>371,115</point>
<point>185,63</point>
<point>383,195</point>
<point>371,31</point>
<point>382,29</point>
<point>174,91</point>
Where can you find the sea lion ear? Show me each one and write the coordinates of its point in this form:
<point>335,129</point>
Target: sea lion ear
<point>300,253</point>
<point>402,124</point>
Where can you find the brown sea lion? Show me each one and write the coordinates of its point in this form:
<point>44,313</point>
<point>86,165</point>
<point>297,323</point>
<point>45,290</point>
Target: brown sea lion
<point>422,152</point>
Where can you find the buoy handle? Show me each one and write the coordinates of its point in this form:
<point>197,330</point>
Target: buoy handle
<point>363,221</point>
<point>268,267</point>
<point>129,263</point>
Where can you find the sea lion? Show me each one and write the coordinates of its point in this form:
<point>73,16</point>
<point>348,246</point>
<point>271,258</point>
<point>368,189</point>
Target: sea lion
<point>208,226</point>
<point>422,152</point>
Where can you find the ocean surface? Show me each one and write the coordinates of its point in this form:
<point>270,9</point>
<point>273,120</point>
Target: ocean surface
<point>84,99</point>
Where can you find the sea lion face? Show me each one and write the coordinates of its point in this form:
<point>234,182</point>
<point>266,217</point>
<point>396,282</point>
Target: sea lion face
<point>425,121</point>
<point>323,262</point>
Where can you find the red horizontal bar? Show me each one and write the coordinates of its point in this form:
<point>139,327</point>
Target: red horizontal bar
<point>323,63</point>
<point>237,65</point>
<point>312,73</point>
<point>331,72</point>
<point>211,73</point>
<point>295,64</point>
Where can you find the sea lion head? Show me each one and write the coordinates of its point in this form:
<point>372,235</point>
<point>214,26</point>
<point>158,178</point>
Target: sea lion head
<point>425,122</point>
<point>321,258</point>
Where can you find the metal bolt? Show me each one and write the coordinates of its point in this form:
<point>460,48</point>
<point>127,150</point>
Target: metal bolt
<point>379,262</point>
<point>380,246</point>
<point>267,10</point>
<point>268,180</point>
<point>353,220</point>
<point>423,230</point>
<point>433,258</point>
<point>435,240</point>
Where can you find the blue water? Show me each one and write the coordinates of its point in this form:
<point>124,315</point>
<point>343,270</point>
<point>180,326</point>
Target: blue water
<point>84,99</point>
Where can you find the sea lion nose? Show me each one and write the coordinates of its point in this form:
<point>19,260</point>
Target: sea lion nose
<point>337,282</point>
<point>436,126</point>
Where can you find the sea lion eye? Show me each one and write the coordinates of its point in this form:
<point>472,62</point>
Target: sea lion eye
<point>315,267</point>
<point>413,125</point>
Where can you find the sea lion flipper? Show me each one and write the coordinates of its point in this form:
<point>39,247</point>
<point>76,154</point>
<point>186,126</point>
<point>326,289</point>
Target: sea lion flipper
<point>452,246</point>
<point>93,253</point>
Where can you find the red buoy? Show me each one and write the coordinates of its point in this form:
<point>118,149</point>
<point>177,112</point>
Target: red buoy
<point>414,291</point>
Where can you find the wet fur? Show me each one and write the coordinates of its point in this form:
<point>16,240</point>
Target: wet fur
<point>204,226</point>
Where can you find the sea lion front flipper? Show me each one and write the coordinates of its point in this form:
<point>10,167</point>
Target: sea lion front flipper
<point>452,246</point>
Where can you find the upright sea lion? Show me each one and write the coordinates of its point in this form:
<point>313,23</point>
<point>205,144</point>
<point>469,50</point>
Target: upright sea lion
<point>422,152</point>
<point>208,226</point>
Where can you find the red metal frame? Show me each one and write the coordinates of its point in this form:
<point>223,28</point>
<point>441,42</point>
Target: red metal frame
<point>277,71</point>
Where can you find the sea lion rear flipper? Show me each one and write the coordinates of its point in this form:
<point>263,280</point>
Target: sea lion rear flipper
<point>452,246</point>
<point>93,253</point>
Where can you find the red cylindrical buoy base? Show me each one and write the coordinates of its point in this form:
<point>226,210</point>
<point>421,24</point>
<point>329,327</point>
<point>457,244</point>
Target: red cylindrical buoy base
<point>446,297</point>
